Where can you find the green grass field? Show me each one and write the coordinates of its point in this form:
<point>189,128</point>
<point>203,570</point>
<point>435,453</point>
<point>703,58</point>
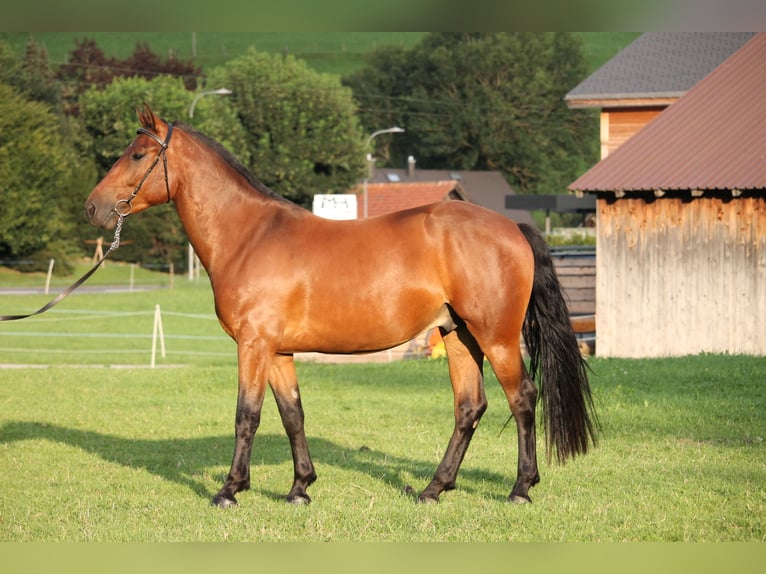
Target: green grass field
<point>335,52</point>
<point>90,452</point>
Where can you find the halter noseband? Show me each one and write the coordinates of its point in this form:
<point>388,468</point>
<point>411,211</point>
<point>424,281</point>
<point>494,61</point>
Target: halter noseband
<point>128,203</point>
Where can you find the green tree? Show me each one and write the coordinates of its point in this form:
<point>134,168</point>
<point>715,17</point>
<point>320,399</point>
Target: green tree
<point>302,133</point>
<point>40,177</point>
<point>31,75</point>
<point>108,116</point>
<point>36,78</point>
<point>88,67</point>
<point>484,101</point>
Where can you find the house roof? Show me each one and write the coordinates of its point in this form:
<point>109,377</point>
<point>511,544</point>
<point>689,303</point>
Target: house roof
<point>656,68</point>
<point>485,188</point>
<point>383,198</point>
<point>713,138</point>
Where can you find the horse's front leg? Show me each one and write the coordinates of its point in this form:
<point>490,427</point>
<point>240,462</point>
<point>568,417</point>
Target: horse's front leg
<point>254,364</point>
<point>284,383</point>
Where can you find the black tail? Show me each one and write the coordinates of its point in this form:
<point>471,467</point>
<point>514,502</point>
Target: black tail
<point>568,412</point>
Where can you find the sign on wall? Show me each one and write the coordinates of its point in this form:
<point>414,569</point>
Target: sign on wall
<point>335,206</point>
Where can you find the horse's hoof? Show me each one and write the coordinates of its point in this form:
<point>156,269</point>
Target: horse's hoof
<point>519,499</point>
<point>428,499</point>
<point>299,499</point>
<point>224,501</point>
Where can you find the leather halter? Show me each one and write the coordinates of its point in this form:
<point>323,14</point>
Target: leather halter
<point>128,203</point>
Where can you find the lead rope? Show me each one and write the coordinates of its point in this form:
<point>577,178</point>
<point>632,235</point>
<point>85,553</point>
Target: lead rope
<point>58,298</point>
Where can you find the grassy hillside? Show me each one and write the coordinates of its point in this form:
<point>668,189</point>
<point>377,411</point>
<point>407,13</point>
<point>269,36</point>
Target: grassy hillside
<point>335,52</point>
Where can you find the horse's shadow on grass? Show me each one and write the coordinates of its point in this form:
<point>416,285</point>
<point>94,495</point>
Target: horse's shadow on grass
<point>186,461</point>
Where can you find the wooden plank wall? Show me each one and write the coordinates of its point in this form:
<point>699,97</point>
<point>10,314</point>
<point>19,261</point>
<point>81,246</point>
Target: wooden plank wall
<point>678,276</point>
<point>620,124</point>
<point>576,269</point>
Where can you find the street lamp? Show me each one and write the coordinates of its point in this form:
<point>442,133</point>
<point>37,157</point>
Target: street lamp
<point>393,130</point>
<point>219,92</point>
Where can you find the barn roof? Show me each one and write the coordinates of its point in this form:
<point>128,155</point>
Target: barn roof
<point>713,138</point>
<point>657,66</point>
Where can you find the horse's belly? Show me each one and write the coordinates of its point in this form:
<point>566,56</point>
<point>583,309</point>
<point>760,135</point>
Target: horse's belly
<point>362,332</point>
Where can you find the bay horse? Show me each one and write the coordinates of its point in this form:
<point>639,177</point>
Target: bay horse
<point>287,281</point>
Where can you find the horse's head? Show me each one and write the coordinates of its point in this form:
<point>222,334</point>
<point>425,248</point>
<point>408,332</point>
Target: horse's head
<point>139,179</point>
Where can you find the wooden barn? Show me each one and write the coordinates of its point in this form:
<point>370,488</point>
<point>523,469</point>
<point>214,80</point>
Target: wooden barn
<point>681,248</point>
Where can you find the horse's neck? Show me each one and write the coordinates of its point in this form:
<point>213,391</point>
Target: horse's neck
<point>225,216</point>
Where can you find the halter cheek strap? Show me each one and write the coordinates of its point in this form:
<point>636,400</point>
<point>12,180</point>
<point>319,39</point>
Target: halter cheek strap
<point>163,148</point>
<point>123,207</point>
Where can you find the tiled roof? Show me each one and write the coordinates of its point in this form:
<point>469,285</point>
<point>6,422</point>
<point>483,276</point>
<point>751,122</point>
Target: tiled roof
<point>713,138</point>
<point>657,65</point>
<point>383,198</point>
<point>485,188</point>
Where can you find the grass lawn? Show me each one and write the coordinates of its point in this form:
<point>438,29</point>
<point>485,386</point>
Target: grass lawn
<point>95,446</point>
<point>91,453</point>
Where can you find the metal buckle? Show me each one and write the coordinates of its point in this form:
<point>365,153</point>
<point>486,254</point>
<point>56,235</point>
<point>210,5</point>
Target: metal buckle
<point>120,213</point>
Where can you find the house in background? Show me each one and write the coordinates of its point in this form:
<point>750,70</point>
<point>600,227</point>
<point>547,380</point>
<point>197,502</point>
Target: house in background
<point>650,74</point>
<point>486,188</point>
<point>681,243</point>
<point>383,198</point>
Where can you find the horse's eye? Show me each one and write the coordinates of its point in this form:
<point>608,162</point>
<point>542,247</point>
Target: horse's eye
<point>136,156</point>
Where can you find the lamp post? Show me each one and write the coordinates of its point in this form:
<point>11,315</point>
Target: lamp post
<point>218,92</point>
<point>193,261</point>
<point>393,130</point>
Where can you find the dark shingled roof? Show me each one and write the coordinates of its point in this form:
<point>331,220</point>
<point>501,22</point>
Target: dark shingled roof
<point>713,138</point>
<point>657,65</point>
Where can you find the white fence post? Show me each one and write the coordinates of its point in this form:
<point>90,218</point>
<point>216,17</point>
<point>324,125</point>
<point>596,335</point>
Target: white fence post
<point>157,333</point>
<point>48,278</point>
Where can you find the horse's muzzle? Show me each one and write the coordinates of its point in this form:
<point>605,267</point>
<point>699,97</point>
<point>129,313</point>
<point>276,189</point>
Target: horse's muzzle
<point>100,216</point>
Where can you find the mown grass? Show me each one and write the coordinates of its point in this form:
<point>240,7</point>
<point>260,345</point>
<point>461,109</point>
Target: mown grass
<point>90,452</point>
<point>135,455</point>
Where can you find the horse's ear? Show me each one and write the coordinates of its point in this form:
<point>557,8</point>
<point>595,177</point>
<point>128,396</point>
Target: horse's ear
<point>147,117</point>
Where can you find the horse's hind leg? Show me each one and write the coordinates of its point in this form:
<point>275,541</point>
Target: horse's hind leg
<point>522,398</point>
<point>465,368</point>
<point>284,384</point>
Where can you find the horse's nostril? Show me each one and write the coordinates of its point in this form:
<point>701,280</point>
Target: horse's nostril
<point>90,210</point>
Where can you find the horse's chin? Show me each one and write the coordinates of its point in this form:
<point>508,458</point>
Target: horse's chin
<point>109,223</point>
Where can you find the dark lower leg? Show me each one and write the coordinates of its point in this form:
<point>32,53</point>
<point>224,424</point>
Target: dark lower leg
<point>523,408</point>
<point>284,384</point>
<point>446,473</point>
<point>247,422</point>
<point>304,474</point>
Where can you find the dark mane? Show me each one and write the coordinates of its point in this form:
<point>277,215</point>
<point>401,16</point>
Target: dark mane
<point>231,159</point>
